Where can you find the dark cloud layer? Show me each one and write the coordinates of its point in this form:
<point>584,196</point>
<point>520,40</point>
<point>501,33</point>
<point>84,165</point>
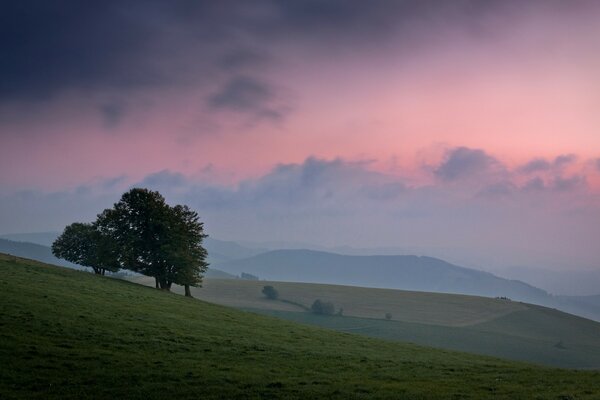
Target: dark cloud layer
<point>49,46</point>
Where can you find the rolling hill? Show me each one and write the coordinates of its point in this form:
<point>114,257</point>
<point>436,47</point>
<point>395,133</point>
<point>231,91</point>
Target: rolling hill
<point>33,251</point>
<point>69,335</point>
<point>396,272</point>
<point>481,325</point>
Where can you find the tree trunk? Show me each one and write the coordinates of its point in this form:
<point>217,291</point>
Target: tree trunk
<point>165,285</point>
<point>156,282</point>
<point>188,293</point>
<point>97,271</point>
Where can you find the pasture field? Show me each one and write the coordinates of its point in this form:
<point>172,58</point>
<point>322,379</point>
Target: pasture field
<point>480,325</point>
<point>420,307</point>
<point>66,334</point>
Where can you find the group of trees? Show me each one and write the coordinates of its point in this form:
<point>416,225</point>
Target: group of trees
<point>141,233</point>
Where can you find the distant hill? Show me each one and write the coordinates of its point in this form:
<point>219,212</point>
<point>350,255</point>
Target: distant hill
<point>395,272</point>
<point>43,238</point>
<point>401,272</point>
<point>220,251</point>
<point>33,251</point>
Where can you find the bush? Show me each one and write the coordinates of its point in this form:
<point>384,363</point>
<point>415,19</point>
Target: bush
<point>388,316</point>
<point>270,292</point>
<point>322,307</point>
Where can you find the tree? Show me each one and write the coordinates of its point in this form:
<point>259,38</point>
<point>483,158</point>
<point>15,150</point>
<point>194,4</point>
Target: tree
<point>156,239</point>
<point>388,316</point>
<point>270,292</point>
<point>184,249</point>
<point>322,307</point>
<point>85,245</point>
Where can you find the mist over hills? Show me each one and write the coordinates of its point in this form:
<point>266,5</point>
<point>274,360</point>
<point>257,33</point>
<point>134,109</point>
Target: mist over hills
<point>401,272</point>
<point>229,259</point>
<point>395,272</point>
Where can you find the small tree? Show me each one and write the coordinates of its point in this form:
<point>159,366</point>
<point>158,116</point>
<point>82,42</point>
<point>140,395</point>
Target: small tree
<point>85,245</point>
<point>322,307</point>
<point>388,316</point>
<point>270,292</point>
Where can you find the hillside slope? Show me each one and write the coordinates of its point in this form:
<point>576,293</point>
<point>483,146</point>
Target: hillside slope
<point>67,334</point>
<point>480,325</point>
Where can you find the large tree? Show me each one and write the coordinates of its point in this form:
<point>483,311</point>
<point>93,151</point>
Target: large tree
<point>156,239</point>
<point>85,245</point>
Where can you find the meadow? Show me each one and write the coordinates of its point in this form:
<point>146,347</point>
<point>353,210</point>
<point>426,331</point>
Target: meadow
<point>475,324</point>
<point>66,334</point>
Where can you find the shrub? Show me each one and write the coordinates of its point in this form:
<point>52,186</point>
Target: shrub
<point>388,316</point>
<point>322,307</point>
<point>270,292</point>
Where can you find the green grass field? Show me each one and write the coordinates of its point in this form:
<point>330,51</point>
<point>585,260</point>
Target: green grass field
<point>72,335</point>
<point>473,324</point>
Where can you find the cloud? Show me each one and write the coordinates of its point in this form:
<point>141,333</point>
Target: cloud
<point>113,113</point>
<point>463,162</point>
<point>336,201</point>
<point>598,164</point>
<point>534,185</point>
<point>535,165</point>
<point>247,95</point>
<point>542,165</point>
<point>50,47</point>
<point>564,160</point>
<point>563,184</point>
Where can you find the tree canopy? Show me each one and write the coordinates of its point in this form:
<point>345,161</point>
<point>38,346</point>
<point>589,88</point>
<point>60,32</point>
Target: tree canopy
<point>85,245</point>
<point>142,233</point>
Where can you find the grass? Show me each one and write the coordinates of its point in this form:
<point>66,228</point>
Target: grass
<point>473,324</point>
<point>71,335</point>
<point>420,307</point>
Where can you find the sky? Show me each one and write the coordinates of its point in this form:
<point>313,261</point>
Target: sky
<point>460,128</point>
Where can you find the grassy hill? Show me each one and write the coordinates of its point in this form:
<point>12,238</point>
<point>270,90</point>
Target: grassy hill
<point>474,324</point>
<point>68,334</point>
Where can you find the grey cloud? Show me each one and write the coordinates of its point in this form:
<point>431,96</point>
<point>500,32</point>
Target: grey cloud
<point>598,164</point>
<point>162,180</point>
<point>113,113</point>
<point>534,185</point>
<point>541,164</point>
<point>564,159</point>
<point>50,46</point>
<point>247,95</point>
<point>535,165</point>
<point>462,162</point>
<point>562,184</point>
<point>497,190</point>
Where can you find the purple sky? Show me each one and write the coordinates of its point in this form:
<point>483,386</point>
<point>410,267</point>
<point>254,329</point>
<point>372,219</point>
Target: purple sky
<point>470,127</point>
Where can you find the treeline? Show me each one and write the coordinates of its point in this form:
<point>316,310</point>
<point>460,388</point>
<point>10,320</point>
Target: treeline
<point>141,233</point>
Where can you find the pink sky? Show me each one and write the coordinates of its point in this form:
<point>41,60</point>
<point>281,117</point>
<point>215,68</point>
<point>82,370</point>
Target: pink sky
<point>220,100</point>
